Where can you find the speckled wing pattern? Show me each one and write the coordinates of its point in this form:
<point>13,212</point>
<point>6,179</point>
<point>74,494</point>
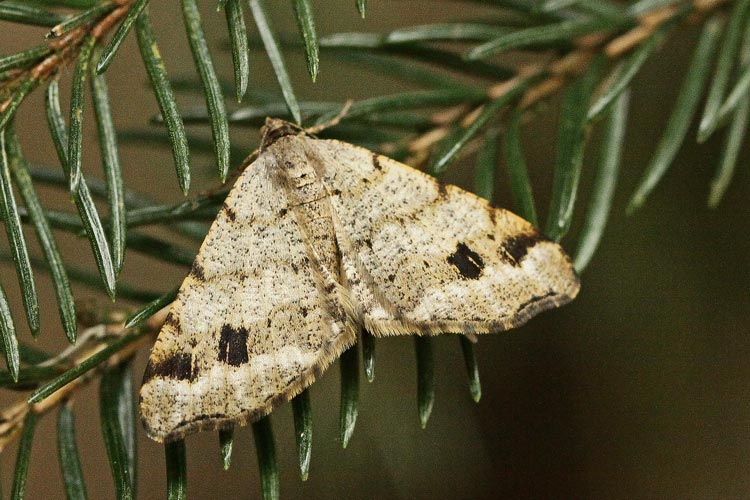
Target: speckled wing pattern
<point>318,240</point>
<point>423,257</point>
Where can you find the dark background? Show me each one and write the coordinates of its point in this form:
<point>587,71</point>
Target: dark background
<point>638,389</point>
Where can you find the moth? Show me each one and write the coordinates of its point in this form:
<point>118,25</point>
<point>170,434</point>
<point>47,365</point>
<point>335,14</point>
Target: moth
<point>317,241</point>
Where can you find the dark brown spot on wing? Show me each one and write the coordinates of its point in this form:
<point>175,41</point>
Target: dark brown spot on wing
<point>233,345</point>
<point>178,366</point>
<point>518,246</point>
<point>466,261</point>
<point>172,321</point>
<point>230,213</point>
<point>197,271</point>
<point>442,190</point>
<point>376,162</point>
<point>493,215</point>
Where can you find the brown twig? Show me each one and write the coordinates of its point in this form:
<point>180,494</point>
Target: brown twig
<point>66,48</point>
<point>91,341</point>
<point>555,73</point>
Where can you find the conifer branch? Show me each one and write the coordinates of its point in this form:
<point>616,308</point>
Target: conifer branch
<point>467,100</point>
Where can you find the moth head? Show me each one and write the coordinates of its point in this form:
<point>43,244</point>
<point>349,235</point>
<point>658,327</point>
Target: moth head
<point>275,129</point>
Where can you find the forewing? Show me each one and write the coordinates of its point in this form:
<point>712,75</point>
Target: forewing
<point>426,257</point>
<point>251,325</point>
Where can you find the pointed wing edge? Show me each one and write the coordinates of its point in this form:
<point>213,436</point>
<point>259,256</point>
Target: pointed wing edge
<point>527,311</point>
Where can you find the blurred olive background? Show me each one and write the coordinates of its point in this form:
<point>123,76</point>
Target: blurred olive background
<point>638,389</point>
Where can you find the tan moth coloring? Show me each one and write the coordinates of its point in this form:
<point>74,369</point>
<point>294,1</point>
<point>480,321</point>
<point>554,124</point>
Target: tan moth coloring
<point>318,240</point>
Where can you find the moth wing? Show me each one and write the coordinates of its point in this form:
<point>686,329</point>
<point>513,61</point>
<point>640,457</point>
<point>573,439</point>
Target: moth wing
<point>425,257</point>
<point>250,327</point>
